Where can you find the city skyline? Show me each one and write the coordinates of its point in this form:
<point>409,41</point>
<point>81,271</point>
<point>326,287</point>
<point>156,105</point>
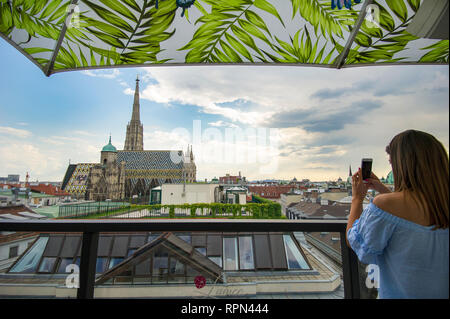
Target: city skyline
<point>326,119</point>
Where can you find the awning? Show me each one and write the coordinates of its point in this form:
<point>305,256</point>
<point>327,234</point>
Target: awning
<point>65,35</point>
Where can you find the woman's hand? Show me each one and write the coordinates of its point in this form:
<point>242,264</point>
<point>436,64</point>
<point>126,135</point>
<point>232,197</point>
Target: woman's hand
<point>374,183</point>
<point>359,188</point>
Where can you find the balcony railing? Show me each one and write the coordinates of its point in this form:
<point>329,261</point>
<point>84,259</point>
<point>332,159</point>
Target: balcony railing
<point>92,228</point>
<point>262,210</point>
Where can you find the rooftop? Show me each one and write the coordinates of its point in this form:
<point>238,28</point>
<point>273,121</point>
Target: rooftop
<point>317,210</point>
<point>20,212</point>
<point>127,258</point>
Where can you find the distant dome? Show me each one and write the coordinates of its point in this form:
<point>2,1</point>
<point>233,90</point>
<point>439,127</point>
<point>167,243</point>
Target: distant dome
<point>109,147</point>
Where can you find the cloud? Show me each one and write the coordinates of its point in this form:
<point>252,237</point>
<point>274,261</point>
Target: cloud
<point>16,156</point>
<point>107,74</point>
<point>323,120</point>
<point>332,93</point>
<point>47,157</point>
<point>222,124</point>
<point>14,132</point>
<point>227,92</point>
<point>383,84</point>
<point>327,119</point>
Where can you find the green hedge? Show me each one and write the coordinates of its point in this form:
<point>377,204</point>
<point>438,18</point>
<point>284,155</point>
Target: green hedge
<point>254,210</point>
<point>261,200</point>
<point>214,210</point>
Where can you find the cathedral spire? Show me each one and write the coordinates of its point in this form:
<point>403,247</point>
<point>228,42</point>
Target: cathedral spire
<point>134,140</point>
<point>136,107</point>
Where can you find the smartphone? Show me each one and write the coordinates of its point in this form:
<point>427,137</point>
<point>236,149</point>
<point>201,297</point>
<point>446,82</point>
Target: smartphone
<point>366,168</point>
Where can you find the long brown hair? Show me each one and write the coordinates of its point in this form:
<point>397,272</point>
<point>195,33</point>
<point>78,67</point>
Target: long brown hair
<point>420,168</point>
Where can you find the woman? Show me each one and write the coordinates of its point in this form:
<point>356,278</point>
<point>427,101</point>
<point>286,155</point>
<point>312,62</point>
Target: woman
<point>405,232</point>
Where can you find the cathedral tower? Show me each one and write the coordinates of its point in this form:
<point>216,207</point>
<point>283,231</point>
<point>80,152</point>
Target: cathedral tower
<point>134,140</point>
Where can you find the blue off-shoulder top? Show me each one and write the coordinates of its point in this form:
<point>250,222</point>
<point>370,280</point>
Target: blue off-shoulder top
<point>412,260</point>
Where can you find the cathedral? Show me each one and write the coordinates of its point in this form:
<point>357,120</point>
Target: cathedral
<point>122,174</point>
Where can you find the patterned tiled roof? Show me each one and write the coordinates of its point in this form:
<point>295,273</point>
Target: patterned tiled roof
<point>146,166</point>
<point>152,165</point>
<point>78,181</point>
<point>149,160</point>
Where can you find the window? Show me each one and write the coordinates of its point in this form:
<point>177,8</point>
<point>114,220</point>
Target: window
<point>216,259</point>
<point>294,257</point>
<point>160,266</point>
<point>104,245</point>
<point>185,237</point>
<point>277,251</point>
<point>201,250</point>
<point>70,246</point>
<point>191,273</point>
<point>28,263</point>
<point>246,253</point>
<point>262,253</point>
<point>53,246</point>
<point>230,251</point>
<point>214,245</point>
<point>114,261</point>
<point>198,240</point>
<point>64,262</point>
<point>100,266</point>
<point>152,237</point>
<point>137,241</point>
<point>47,264</point>
<point>176,267</point>
<point>13,251</point>
<point>143,268</point>
<point>119,248</point>
<point>131,252</point>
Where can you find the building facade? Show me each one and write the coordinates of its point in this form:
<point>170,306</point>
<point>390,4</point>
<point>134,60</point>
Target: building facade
<point>229,179</point>
<point>107,179</point>
<point>131,172</point>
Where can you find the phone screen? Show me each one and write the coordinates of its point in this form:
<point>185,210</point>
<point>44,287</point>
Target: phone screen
<point>366,168</point>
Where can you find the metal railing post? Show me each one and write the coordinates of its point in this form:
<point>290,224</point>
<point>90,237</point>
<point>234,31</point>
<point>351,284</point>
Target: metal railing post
<point>349,270</point>
<point>87,265</point>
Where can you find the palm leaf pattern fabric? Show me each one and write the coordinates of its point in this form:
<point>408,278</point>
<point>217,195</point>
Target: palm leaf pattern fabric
<point>61,35</point>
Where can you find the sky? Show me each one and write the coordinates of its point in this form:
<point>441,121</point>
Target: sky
<point>266,122</point>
